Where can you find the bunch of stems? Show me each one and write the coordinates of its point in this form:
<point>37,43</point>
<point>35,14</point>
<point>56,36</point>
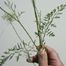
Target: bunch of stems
<point>37,24</point>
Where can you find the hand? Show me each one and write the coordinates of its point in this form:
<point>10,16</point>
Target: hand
<point>47,58</point>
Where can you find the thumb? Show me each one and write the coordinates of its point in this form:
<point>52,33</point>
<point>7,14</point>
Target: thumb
<point>42,57</point>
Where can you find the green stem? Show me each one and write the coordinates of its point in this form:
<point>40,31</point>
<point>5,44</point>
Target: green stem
<point>16,32</point>
<point>20,24</point>
<point>37,23</point>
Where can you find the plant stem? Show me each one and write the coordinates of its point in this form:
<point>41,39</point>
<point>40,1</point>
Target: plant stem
<point>37,23</point>
<point>16,32</point>
<point>20,24</point>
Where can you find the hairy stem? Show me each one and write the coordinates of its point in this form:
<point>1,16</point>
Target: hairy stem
<point>37,23</point>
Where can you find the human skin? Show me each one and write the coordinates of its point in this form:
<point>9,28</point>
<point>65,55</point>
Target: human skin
<point>47,57</point>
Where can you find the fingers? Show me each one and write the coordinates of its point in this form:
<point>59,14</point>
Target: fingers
<point>33,59</point>
<point>42,58</point>
<point>52,53</point>
<point>47,57</point>
<point>53,57</point>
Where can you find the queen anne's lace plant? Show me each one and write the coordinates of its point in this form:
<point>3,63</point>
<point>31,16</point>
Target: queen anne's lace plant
<point>43,29</point>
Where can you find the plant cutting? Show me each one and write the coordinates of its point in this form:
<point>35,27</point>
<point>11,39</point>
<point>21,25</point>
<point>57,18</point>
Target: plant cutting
<point>43,29</point>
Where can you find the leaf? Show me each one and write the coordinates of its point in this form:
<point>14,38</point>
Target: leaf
<point>3,60</point>
<point>10,49</point>
<point>6,52</point>
<point>11,6</point>
<point>53,25</point>
<point>36,33</point>
<point>48,16</point>
<point>52,34</point>
<point>54,10</point>
<point>14,6</point>
<point>17,58</point>
<point>20,13</point>
<point>61,7</point>
<point>18,46</point>
<point>44,23</point>
<point>41,27</point>
<point>47,30</point>
<point>59,13</point>
<point>5,3</point>
<point>21,46</point>
<point>3,56</point>
<point>11,56</point>
<point>56,17</point>
<point>45,20</point>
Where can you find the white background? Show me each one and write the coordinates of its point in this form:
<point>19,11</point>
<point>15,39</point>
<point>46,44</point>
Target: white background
<point>8,37</point>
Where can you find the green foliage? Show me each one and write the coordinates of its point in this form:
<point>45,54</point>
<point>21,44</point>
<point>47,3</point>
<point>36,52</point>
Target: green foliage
<point>12,11</point>
<point>8,17</point>
<point>43,29</point>
<point>3,60</point>
<point>17,51</point>
<point>48,20</point>
<point>10,53</point>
